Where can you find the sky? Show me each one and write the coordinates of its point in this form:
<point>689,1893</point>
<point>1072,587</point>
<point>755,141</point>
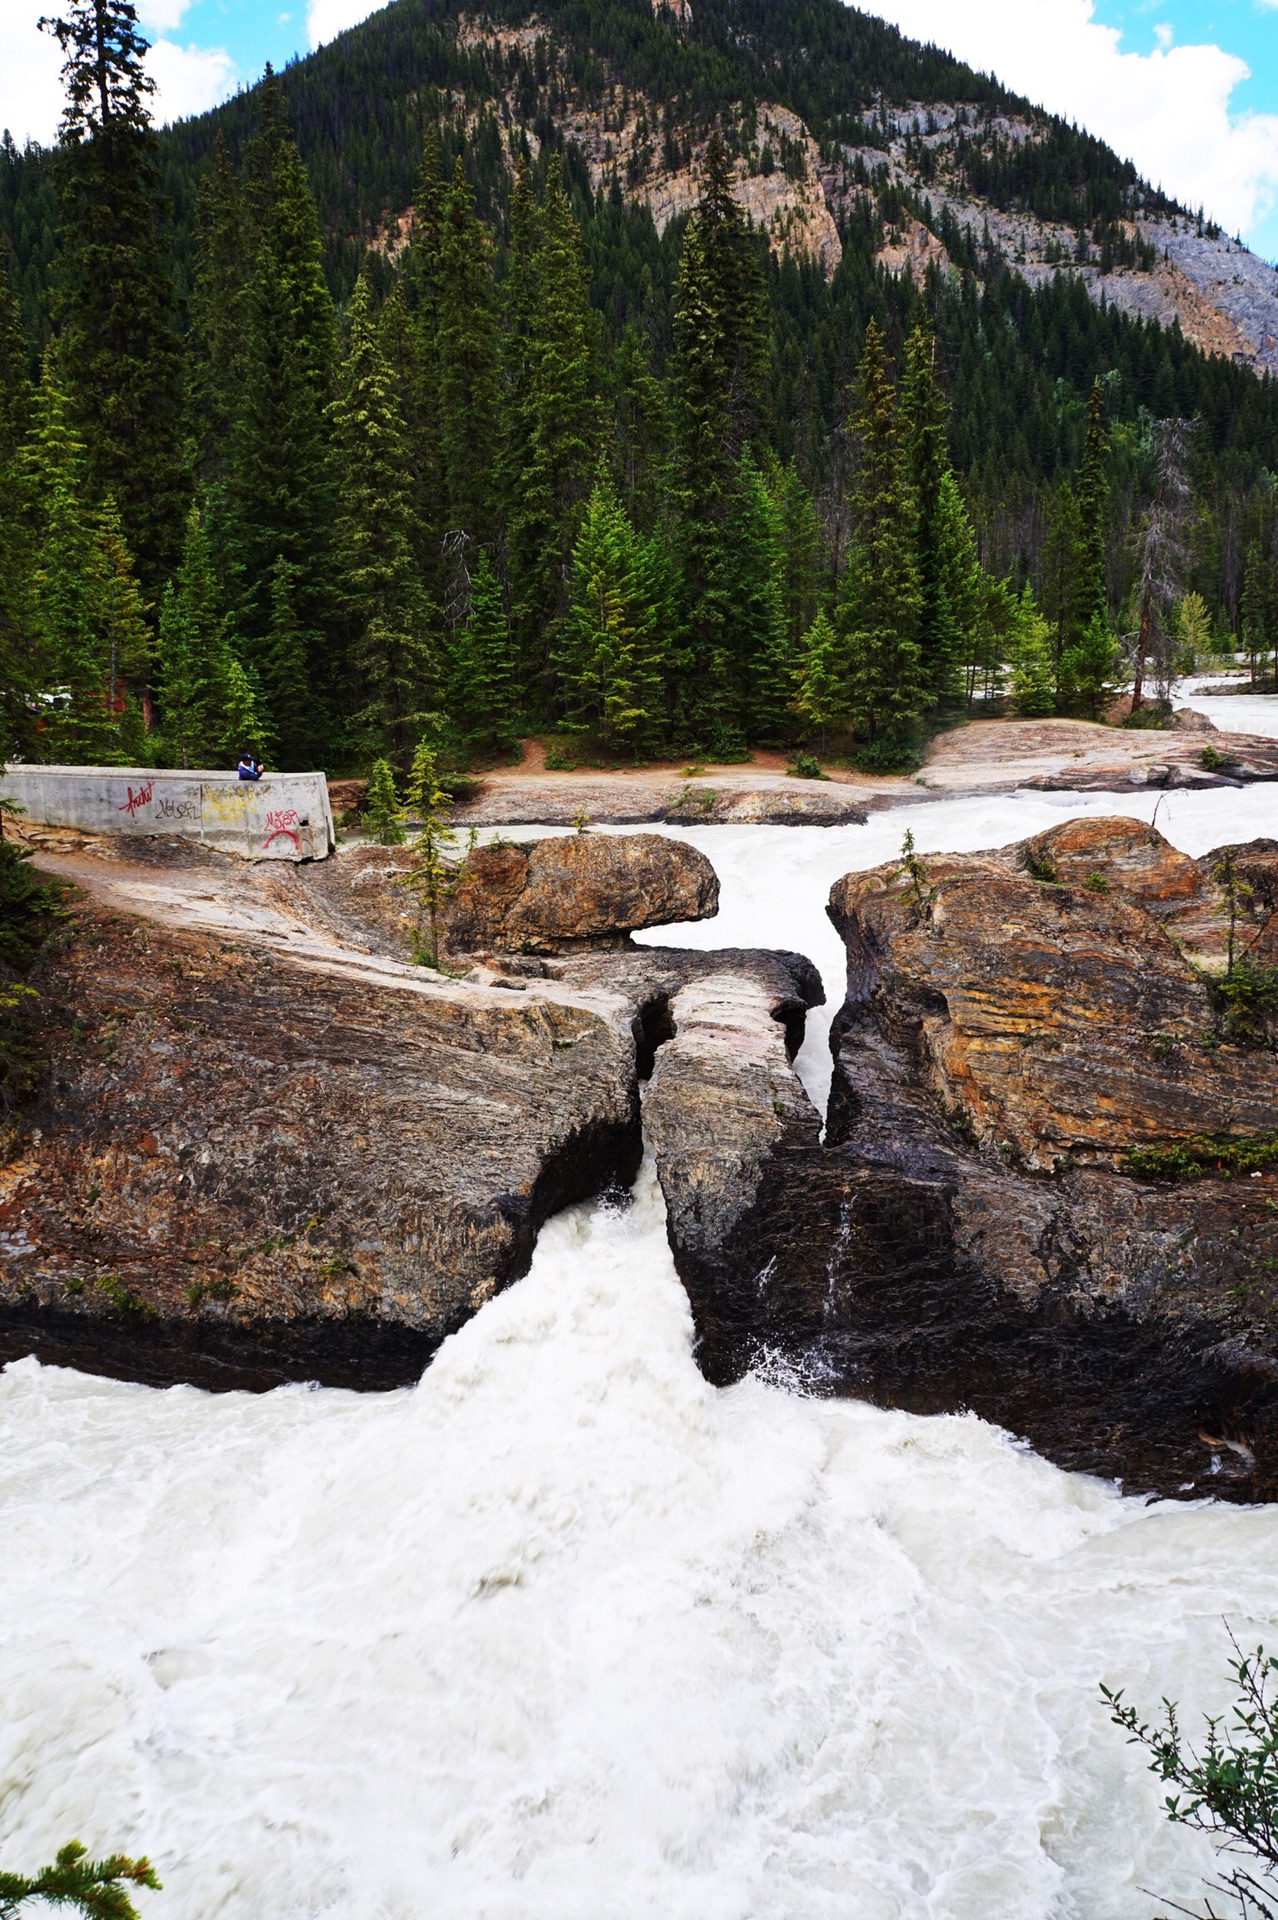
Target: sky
<point>1188,89</point>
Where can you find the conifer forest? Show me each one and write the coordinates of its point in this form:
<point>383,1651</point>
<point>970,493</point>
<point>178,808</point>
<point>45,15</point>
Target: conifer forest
<point>351,416</point>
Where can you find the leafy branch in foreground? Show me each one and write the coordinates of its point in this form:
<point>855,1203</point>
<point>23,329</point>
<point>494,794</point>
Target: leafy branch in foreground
<point>1229,1788</point>
<point>97,1887</point>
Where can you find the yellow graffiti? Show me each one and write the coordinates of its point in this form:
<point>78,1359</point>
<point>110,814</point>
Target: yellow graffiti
<point>227,805</point>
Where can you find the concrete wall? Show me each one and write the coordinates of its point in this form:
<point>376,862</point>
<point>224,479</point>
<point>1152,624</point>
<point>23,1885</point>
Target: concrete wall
<point>283,816</point>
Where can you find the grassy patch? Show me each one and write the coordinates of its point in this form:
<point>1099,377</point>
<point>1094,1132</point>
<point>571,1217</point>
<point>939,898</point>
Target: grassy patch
<point>1203,1156</point>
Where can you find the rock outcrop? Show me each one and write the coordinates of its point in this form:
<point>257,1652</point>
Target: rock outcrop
<point>585,889</point>
<point>1047,1191</point>
<point>266,1147</point>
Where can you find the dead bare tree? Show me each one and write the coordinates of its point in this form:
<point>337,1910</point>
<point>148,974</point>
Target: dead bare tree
<point>1162,557</point>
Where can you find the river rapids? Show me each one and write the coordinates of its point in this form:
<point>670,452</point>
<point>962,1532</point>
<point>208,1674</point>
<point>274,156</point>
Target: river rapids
<point>563,1633</point>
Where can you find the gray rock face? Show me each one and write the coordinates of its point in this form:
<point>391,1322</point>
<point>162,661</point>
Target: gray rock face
<point>974,1232</point>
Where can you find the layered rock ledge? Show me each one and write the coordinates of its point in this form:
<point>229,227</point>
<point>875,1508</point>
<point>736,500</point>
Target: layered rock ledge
<point>265,1146</point>
<point>1048,1190</point>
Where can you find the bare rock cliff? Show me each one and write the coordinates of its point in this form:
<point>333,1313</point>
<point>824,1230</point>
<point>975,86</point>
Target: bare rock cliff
<point>1048,1189</point>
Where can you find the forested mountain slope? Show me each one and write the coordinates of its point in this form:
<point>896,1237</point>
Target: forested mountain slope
<point>738,307</point>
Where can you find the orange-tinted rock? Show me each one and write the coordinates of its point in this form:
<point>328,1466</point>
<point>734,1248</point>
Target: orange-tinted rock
<point>972,1233</point>
<point>582,889</point>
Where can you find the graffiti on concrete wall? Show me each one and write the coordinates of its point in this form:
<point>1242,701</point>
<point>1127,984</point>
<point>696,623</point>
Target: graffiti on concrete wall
<point>137,797</point>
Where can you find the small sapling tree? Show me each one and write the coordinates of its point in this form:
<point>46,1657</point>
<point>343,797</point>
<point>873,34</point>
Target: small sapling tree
<point>437,874</point>
<point>1228,1788</point>
<point>383,814</point>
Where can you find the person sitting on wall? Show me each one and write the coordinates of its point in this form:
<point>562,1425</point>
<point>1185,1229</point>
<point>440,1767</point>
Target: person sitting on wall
<point>249,768</point>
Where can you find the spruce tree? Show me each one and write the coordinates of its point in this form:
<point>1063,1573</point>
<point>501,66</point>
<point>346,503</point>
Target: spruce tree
<point>469,382</point>
<point>391,618</point>
<point>208,712</point>
<point>880,602</point>
<point>283,655</point>
<point>1092,492</point>
<point>609,655</point>
<point>281,493</point>
<point>640,431</point>
<point>945,552</point>
<point>19,667</point>
<point>482,696</point>
<point>757,606</point>
<point>1064,578</point>
<point>559,430</point>
<point>119,616</point>
<point>821,681</point>
<point>417,360</point>
<point>217,310</point>
<point>719,390</point>
<point>79,725</point>
<point>114,292</point>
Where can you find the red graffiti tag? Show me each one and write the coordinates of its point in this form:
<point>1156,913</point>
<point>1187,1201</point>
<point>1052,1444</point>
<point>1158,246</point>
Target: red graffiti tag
<point>279,826</point>
<point>142,798</point>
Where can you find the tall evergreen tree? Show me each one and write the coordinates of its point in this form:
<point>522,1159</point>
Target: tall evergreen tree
<point>945,551</point>
<point>1065,584</point>
<point>880,603</point>
<point>19,668</point>
<point>609,656</point>
<point>281,492</point>
<point>821,690</point>
<point>469,379</point>
<point>559,430</point>
<point>483,699</point>
<point>217,311</point>
<point>413,351</point>
<point>285,652</point>
<point>207,708</point>
<point>1092,492</point>
<point>719,389</point>
<point>115,299</point>
<point>391,617</point>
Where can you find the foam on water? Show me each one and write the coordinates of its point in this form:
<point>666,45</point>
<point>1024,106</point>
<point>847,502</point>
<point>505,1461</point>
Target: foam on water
<point>566,1634</point>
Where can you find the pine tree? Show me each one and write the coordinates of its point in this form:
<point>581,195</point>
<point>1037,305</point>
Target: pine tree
<point>123,632</point>
<point>609,657</point>
<point>964,597</point>
<point>821,680</point>
<point>718,383</point>
<point>419,365</point>
<point>391,618</point>
<point>880,602</point>
<point>482,697</point>
<point>383,814</point>
<point>1093,499</point>
<point>208,710</point>
<point>114,297</point>
<point>641,431</point>
<point>1087,670</point>
<point>19,670</point>
<point>286,688</point>
<point>469,383</point>
<point>1029,654</point>
<point>79,725</point>
<point>757,606</point>
<point>281,493</point>
<point>558,427</point>
<point>943,642</point>
<point>217,309</point>
<point>1063,573</point>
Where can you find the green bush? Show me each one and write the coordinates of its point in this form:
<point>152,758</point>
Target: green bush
<point>1204,1155</point>
<point>891,754</point>
<point>806,766</point>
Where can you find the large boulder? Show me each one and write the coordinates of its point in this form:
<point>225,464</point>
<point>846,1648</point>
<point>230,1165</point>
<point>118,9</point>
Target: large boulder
<point>1047,1191</point>
<point>584,889</point>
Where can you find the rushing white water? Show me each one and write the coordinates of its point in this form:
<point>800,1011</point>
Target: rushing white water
<point>566,1634</point>
<point>1231,712</point>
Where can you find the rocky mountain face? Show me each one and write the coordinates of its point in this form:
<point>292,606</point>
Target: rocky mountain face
<point>800,190</point>
<point>1048,1187</point>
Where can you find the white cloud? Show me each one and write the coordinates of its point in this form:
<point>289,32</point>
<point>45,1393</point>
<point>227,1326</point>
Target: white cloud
<point>161,16</point>
<point>30,66</point>
<point>325,19</point>
<point>1167,110</point>
<point>187,79</point>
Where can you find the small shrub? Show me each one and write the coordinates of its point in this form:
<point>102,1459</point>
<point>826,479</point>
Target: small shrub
<point>1227,1789</point>
<point>1096,883</point>
<point>1216,759</point>
<point>123,1300</point>
<point>563,755</point>
<point>806,766</point>
<point>1041,869</point>
<point>1202,1156</point>
<point>889,756</point>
